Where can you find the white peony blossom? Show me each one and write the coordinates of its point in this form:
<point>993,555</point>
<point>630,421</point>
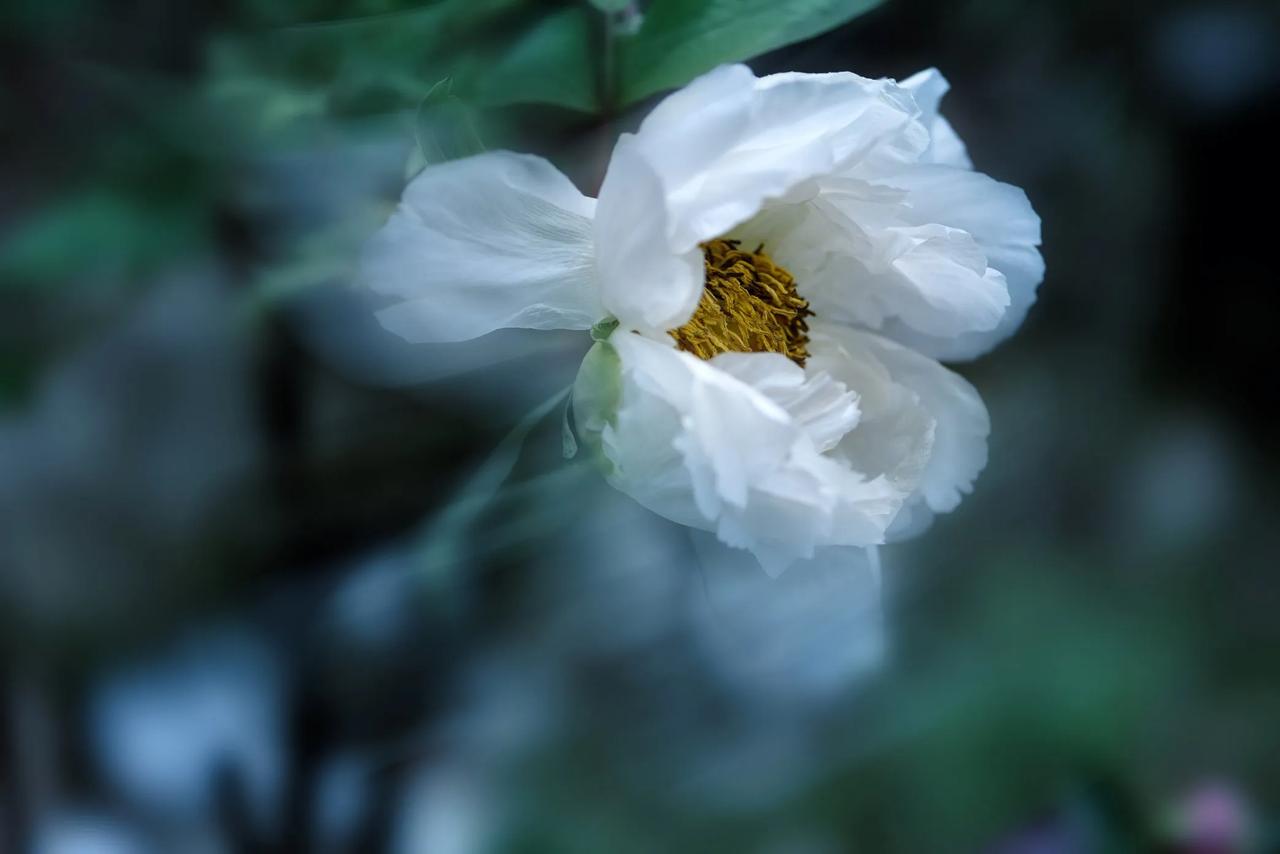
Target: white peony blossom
<point>780,262</point>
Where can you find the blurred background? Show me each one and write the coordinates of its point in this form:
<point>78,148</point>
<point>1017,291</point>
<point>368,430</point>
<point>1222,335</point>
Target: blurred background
<point>271,580</point>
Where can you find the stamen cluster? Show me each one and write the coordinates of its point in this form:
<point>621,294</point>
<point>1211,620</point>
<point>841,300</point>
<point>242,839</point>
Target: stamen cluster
<point>749,305</point>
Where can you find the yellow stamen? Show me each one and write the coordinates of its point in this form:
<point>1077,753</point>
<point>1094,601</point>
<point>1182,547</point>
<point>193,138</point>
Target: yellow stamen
<point>749,305</point>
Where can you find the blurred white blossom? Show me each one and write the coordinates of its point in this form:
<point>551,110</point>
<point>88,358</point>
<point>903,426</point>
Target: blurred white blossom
<point>86,832</point>
<point>165,732</point>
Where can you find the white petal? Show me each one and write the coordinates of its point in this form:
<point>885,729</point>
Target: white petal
<point>995,214</point>
<point>963,425</point>
<point>943,259</point>
<point>491,241</point>
<point>931,278</point>
<point>928,87</point>
<point>909,240</point>
<point>731,436</point>
<point>912,520</point>
<point>709,156</point>
<point>861,255</point>
<point>734,448</point>
<point>821,405</point>
<point>804,637</point>
<point>958,447</point>
<point>643,283</point>
<point>895,434</point>
<point>1006,228</point>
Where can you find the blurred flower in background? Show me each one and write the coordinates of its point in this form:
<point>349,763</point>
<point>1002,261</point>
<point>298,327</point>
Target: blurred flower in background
<point>1213,818</point>
<point>274,580</point>
<point>180,736</point>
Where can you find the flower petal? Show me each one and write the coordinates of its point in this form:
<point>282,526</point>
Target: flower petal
<point>821,405</point>
<point>895,434</point>
<point>910,241</point>
<point>709,156</point>
<point>1006,228</point>
<point>861,255</point>
<point>491,241</point>
<point>642,282</point>
<point>931,278</point>
<point>734,448</point>
<point>957,447</point>
<point>945,146</point>
<point>804,637</point>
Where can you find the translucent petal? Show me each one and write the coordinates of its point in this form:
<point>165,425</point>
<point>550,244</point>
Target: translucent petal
<point>491,241</point>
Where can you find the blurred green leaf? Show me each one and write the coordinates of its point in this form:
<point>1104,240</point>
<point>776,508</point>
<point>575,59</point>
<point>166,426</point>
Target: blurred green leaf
<point>680,39</point>
<point>135,185</point>
<point>448,536</point>
<point>18,373</point>
<point>98,232</point>
<point>611,5</point>
<point>501,52</point>
<point>325,256</point>
<point>552,64</point>
<point>495,51</point>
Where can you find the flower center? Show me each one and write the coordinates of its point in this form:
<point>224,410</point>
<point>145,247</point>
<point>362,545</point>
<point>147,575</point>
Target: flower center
<point>749,305</point>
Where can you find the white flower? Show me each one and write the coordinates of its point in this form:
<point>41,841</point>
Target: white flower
<point>786,259</point>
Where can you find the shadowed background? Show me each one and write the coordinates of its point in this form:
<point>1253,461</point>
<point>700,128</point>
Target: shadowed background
<point>266,585</point>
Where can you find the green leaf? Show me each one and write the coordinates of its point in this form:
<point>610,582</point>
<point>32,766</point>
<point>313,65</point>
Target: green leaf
<point>446,537</point>
<point>495,52</point>
<point>553,63</point>
<point>680,39</point>
<point>102,233</point>
<point>502,52</point>
<point>327,256</point>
